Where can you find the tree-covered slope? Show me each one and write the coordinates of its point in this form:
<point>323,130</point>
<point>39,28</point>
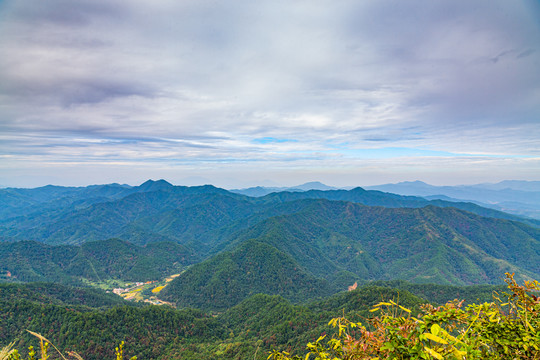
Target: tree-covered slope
<point>17,202</point>
<point>59,294</point>
<point>340,241</point>
<point>157,211</point>
<point>431,244</point>
<point>97,261</point>
<point>441,294</point>
<point>230,277</point>
<point>75,223</point>
<point>247,330</point>
<point>343,242</point>
<point>150,332</point>
<point>379,198</point>
<point>199,222</point>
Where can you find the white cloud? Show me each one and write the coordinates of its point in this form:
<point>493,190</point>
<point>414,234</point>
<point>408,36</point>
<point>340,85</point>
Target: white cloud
<point>196,81</point>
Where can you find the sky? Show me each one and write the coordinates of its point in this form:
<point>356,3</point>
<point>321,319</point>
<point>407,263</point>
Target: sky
<point>241,93</point>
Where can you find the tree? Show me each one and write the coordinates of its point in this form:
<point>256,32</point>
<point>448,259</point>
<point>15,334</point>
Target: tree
<point>495,330</point>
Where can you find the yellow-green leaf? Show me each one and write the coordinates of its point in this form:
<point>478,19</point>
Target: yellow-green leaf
<point>435,329</point>
<point>459,354</point>
<point>405,309</point>
<point>435,338</point>
<point>433,353</point>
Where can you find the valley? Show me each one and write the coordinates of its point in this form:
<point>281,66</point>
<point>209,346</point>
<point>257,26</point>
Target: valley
<point>236,276</point>
<point>138,291</point>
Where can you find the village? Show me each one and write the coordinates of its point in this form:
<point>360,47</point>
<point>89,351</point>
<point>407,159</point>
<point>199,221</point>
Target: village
<point>145,291</point>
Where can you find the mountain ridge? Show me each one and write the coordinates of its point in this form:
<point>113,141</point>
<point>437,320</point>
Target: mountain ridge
<point>517,197</point>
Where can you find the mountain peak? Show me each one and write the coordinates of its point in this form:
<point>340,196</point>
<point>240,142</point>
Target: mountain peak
<point>313,185</point>
<point>151,185</point>
<point>416,182</point>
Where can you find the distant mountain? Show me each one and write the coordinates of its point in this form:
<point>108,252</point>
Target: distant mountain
<point>105,219</point>
<point>520,185</point>
<point>151,185</point>
<point>262,191</point>
<point>512,196</point>
<point>332,237</point>
<point>257,191</point>
<point>17,202</point>
<point>201,217</point>
<point>313,185</point>
<point>379,198</point>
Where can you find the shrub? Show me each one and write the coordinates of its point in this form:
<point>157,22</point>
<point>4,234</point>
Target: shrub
<point>497,330</point>
<point>8,353</point>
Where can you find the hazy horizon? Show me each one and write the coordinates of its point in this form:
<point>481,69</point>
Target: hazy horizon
<point>243,93</point>
<point>266,184</point>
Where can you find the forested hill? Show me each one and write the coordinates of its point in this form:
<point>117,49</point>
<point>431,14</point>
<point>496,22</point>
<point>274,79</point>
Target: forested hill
<point>59,294</point>
<point>332,235</point>
<point>70,318</point>
<point>158,211</point>
<point>266,273</point>
<point>379,198</point>
<point>251,268</point>
<point>434,244</point>
<point>343,243</point>
<point>95,261</point>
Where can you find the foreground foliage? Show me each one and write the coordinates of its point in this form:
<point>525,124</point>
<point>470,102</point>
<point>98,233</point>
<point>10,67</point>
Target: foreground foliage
<point>495,330</point>
<point>246,331</point>
<point>8,353</point>
<point>75,322</point>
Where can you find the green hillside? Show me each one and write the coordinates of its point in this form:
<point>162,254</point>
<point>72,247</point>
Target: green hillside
<point>150,332</point>
<point>76,223</point>
<point>431,244</point>
<point>248,330</point>
<point>96,261</point>
<point>379,198</point>
<point>441,294</point>
<point>271,270</point>
<point>58,294</point>
<point>158,211</point>
<point>230,277</point>
<point>334,241</point>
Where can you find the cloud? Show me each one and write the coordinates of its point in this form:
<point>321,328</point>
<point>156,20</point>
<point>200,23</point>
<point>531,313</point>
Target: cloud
<point>194,81</point>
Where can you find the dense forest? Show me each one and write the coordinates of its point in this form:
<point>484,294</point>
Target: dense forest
<point>92,322</point>
<point>95,260</point>
<point>237,276</point>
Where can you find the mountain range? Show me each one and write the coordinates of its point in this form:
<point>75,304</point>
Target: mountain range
<point>512,196</point>
<point>257,191</point>
<point>302,245</point>
<point>516,197</point>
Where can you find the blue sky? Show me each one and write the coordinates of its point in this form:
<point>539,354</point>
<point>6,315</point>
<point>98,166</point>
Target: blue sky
<point>243,93</point>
